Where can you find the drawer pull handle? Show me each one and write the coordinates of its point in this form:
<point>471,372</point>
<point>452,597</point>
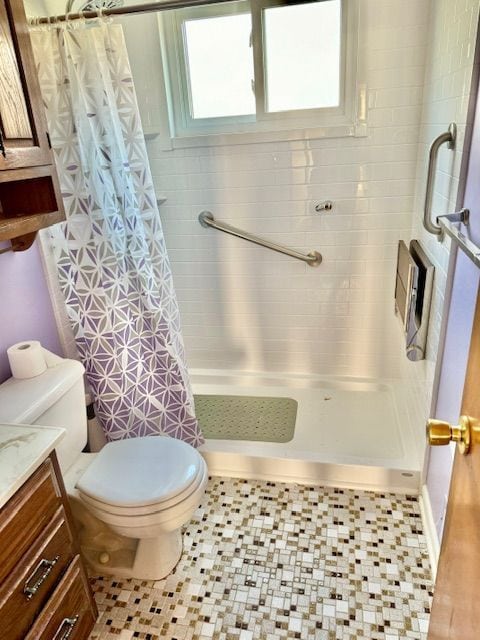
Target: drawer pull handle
<point>65,629</point>
<point>44,565</point>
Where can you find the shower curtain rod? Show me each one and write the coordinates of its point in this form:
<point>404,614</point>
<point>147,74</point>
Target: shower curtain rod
<point>117,11</point>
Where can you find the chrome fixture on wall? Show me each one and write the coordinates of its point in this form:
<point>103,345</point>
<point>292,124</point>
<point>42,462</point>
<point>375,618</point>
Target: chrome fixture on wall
<point>206,219</point>
<point>326,205</point>
<point>449,137</point>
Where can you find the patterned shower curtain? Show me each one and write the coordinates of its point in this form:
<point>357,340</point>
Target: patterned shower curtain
<point>112,263</point>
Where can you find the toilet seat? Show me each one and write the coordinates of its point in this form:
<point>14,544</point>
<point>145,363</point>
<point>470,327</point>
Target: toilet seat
<point>141,475</point>
<point>168,519</point>
<point>105,508</point>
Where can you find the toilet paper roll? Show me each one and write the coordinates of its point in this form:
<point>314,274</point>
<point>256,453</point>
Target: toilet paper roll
<point>27,359</point>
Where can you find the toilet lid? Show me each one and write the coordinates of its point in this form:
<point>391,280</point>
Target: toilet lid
<point>140,471</point>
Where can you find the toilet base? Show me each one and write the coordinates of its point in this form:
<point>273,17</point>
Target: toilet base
<point>108,553</point>
<point>152,559</point>
<point>156,558</point>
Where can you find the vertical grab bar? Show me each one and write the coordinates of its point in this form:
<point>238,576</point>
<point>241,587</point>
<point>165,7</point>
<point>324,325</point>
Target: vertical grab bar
<point>450,137</point>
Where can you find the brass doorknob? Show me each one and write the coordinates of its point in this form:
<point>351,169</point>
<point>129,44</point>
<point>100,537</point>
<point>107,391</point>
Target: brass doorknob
<point>441,433</point>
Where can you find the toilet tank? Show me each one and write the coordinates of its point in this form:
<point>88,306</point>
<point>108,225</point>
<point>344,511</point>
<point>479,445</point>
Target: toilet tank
<point>55,398</point>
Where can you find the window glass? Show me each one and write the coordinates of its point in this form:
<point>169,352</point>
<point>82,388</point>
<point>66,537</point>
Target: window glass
<point>220,66</point>
<point>302,52</point>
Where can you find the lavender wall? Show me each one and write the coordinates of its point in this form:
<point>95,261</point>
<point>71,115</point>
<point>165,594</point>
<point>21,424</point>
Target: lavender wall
<point>25,309</point>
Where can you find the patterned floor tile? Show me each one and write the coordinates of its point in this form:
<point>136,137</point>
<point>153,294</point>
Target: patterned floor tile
<point>266,561</point>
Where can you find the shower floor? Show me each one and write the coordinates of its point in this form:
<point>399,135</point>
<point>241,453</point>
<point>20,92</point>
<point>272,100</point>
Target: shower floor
<point>350,433</point>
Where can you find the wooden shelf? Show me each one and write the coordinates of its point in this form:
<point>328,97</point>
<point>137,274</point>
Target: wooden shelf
<point>15,229</point>
<point>27,205</point>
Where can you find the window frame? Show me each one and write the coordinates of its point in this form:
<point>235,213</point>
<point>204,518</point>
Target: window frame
<point>348,119</point>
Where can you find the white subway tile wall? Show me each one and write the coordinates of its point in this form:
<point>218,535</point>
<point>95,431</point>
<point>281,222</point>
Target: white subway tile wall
<point>247,308</point>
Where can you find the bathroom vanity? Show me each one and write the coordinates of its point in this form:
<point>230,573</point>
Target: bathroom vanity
<point>44,590</point>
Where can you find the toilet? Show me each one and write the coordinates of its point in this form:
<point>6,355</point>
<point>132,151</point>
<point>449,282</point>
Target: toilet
<point>132,498</point>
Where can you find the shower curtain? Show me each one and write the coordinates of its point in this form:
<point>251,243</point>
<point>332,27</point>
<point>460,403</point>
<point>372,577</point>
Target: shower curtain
<point>110,254</point>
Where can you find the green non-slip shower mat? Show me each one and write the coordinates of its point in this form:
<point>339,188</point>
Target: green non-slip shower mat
<point>246,418</point>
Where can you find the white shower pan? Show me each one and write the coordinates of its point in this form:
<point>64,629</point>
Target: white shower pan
<point>349,432</point>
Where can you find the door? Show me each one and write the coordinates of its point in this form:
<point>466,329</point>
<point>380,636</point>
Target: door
<point>23,130</point>
<point>455,612</point>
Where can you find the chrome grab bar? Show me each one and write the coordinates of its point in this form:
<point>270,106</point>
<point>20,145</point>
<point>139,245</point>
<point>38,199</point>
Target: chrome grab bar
<point>206,219</point>
<point>449,137</point>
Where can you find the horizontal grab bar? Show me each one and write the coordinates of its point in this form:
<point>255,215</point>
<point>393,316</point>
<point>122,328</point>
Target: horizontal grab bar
<point>206,219</point>
<point>451,225</point>
<point>450,137</point>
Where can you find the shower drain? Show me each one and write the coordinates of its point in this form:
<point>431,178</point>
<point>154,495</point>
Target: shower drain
<point>246,417</point>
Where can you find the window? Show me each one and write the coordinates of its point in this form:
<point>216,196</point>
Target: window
<point>302,56</point>
<point>219,66</point>
<point>261,66</point>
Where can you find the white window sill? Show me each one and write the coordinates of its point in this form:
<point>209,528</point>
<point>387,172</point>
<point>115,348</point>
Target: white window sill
<point>252,137</point>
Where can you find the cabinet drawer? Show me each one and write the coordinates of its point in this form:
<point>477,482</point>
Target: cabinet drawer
<point>25,515</point>
<point>70,612</point>
<point>28,587</point>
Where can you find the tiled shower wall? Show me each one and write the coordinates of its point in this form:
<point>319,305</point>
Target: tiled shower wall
<point>247,308</point>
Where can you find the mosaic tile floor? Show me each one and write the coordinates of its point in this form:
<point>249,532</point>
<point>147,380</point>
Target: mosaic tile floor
<point>267,561</point>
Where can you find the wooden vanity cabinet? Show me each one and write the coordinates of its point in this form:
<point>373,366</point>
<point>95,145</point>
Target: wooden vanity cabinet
<point>29,192</point>
<point>44,590</point>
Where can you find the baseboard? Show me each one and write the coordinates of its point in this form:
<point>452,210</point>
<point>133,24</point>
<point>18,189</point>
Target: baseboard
<point>430,530</point>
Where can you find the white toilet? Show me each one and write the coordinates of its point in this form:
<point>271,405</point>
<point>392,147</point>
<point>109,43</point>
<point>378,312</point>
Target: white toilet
<point>129,500</point>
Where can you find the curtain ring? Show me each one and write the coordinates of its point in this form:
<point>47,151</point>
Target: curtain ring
<point>68,17</point>
<point>104,19</point>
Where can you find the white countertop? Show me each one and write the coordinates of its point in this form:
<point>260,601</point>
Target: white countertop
<point>22,449</point>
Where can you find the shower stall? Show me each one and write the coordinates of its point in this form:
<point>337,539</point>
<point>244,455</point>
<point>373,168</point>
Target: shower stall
<point>296,355</point>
